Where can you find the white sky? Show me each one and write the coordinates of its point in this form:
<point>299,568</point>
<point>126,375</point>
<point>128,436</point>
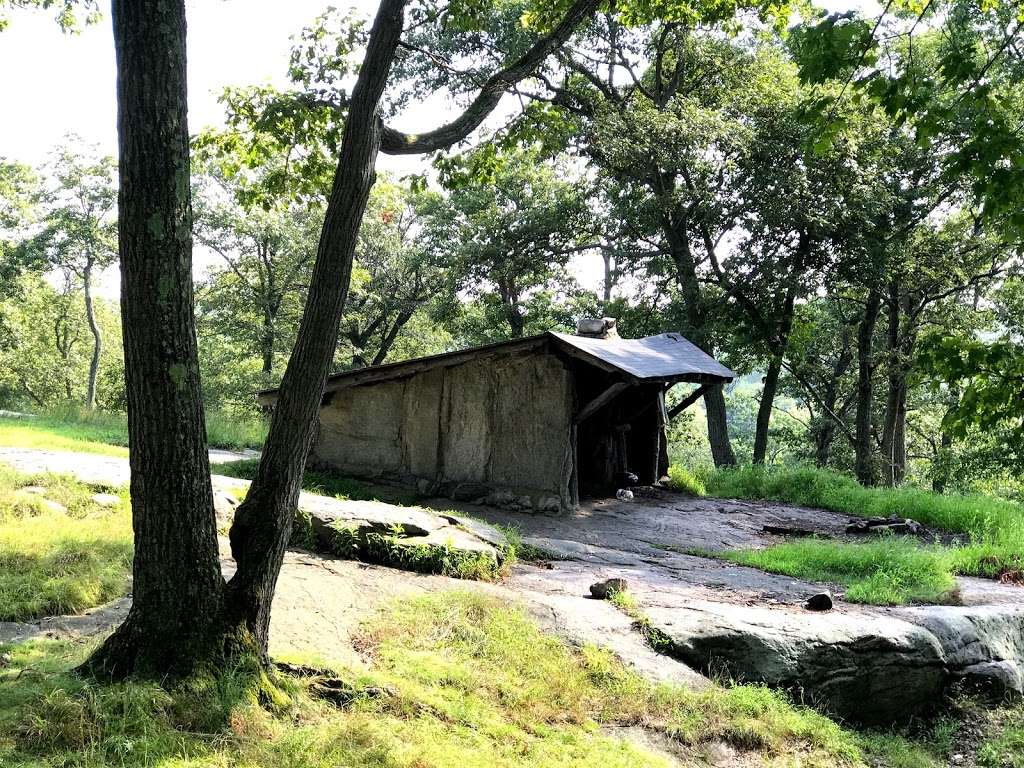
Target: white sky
<point>54,84</point>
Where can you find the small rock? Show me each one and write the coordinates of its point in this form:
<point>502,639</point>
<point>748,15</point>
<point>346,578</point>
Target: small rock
<point>35,495</point>
<point>957,759</point>
<point>106,499</point>
<point>548,504</point>
<point>624,494</point>
<point>819,602</point>
<point>603,590</point>
<point>5,659</point>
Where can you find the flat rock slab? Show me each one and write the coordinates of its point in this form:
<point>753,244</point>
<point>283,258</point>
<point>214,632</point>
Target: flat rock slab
<point>867,664</point>
<point>111,471</point>
<point>406,537</point>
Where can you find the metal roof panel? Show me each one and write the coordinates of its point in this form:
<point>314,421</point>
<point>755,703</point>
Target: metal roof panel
<point>666,356</point>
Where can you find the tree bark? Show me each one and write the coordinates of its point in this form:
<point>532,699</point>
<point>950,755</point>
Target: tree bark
<point>718,429</point>
<point>864,462</point>
<point>901,338</point>
<point>686,277</point>
<point>267,339</point>
<point>263,522</point>
<point>97,339</point>
<point>177,593</point>
<point>764,408</point>
<point>771,378</point>
<point>609,276</point>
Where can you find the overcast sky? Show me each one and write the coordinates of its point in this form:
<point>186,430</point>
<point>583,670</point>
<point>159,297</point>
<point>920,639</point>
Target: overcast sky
<point>53,83</point>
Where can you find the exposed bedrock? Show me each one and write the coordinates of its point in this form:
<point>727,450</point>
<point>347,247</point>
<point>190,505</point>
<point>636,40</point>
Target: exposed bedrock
<point>868,667</point>
<point>983,645</point>
<point>862,668</point>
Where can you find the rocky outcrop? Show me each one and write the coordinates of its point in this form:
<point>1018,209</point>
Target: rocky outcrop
<point>403,537</point>
<point>872,666</point>
<point>983,645</point>
<point>863,668</point>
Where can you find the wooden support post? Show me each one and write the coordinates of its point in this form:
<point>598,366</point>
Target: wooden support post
<point>603,399</point>
<point>689,400</point>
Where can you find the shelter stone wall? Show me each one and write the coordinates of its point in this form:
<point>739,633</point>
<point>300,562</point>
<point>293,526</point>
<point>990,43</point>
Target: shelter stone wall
<point>496,427</point>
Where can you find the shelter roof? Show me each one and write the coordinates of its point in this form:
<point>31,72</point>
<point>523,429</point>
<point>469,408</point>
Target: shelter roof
<point>668,357</point>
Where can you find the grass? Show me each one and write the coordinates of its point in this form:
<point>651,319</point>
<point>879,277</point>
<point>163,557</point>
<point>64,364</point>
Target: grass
<point>77,429</point>
<point>1004,746</point>
<point>58,561</point>
<point>890,571</point>
<point>981,517</point>
<point>468,682</point>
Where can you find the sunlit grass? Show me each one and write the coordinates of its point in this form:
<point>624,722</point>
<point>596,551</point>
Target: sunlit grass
<point>885,572</point>
<point>892,571</point>
<point>80,430</point>
<point>60,552</point>
<point>471,683</point>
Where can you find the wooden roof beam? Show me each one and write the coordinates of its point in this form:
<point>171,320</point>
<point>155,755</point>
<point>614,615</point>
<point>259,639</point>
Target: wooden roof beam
<point>689,400</point>
<point>600,401</point>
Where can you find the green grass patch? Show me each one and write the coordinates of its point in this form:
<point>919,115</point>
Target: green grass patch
<point>60,552</point>
<point>884,572</point>
<point>984,518</point>
<point>84,431</point>
<point>473,684</point>
<point>682,479</point>
<point>889,571</point>
<point>1003,745</point>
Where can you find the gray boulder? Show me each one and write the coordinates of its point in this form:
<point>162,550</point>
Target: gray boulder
<point>864,668</point>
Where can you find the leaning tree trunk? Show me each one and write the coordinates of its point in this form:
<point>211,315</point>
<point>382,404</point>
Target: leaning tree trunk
<point>865,461</point>
<point>97,339</point>
<point>177,590</point>
<point>389,338</point>
<point>263,522</point>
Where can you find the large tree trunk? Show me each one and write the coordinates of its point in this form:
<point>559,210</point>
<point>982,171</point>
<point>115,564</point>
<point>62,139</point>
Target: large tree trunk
<point>693,302</point>
<point>177,592</point>
<point>865,460</point>
<point>263,522</point>
<point>97,339</point>
<point>901,338</point>
<point>718,428</point>
<point>764,409</point>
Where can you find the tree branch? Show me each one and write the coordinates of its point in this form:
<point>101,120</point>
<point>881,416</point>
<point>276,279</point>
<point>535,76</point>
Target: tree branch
<point>394,142</point>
